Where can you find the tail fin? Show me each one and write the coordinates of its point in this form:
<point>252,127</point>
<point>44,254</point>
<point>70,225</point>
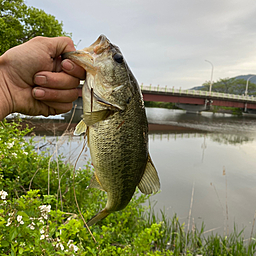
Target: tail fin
<point>99,216</point>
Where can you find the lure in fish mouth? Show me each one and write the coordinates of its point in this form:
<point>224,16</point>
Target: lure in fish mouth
<point>116,127</point>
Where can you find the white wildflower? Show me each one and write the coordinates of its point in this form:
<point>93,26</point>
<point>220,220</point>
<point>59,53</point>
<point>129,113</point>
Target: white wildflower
<point>73,247</point>
<point>9,222</point>
<point>10,145</point>
<point>22,222</point>
<point>25,153</point>
<point>19,218</point>
<point>60,245</point>
<point>42,237</point>
<point>3,194</point>
<point>45,209</point>
<point>31,226</point>
<point>14,154</point>
<point>10,213</point>
<point>69,242</point>
<point>41,231</point>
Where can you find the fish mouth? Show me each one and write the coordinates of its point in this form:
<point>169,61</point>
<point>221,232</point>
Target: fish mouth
<point>86,57</point>
<point>81,58</point>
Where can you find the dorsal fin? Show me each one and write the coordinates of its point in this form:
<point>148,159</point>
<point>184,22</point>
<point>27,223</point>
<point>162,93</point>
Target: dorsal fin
<point>150,181</point>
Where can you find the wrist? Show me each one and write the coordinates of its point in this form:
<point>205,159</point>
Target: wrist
<point>5,100</point>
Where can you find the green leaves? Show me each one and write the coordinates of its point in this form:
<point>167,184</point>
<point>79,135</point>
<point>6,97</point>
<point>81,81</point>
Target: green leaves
<point>19,23</point>
<point>231,86</point>
<point>13,233</point>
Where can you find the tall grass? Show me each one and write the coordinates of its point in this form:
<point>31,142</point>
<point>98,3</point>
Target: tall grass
<point>180,240</point>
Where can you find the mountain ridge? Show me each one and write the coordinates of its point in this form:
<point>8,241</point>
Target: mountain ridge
<point>243,77</point>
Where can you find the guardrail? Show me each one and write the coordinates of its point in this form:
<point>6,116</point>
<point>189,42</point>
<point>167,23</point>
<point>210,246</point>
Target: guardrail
<point>197,93</point>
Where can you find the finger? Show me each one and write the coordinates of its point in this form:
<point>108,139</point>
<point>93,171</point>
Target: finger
<point>71,68</point>
<point>63,44</point>
<point>46,108</point>
<point>53,95</point>
<point>59,81</point>
<point>57,108</point>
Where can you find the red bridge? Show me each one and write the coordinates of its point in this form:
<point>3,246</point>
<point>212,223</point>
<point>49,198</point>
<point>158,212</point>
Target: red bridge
<point>197,98</point>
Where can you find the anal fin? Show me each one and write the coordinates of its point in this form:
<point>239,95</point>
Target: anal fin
<point>149,182</point>
<point>95,183</point>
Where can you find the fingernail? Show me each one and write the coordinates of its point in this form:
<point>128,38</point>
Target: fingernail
<point>67,65</point>
<point>40,80</point>
<point>38,93</point>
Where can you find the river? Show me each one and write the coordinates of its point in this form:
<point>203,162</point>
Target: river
<point>206,165</point>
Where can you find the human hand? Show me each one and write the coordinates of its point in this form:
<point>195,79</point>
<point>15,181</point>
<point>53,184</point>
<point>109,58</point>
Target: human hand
<point>34,80</point>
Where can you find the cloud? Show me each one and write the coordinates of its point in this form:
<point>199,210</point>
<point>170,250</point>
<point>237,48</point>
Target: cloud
<point>166,41</point>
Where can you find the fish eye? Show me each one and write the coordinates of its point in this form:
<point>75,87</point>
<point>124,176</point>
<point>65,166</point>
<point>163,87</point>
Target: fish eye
<point>118,58</point>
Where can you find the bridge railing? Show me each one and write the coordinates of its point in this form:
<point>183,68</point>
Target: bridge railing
<point>197,93</point>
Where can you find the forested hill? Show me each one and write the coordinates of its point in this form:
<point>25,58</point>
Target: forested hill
<point>245,77</point>
<point>234,85</point>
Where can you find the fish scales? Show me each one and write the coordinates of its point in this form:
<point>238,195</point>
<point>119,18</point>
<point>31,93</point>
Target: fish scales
<point>116,126</point>
<point>121,152</point>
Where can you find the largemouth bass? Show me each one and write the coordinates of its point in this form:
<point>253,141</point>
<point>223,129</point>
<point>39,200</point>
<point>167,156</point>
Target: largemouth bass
<point>115,123</point>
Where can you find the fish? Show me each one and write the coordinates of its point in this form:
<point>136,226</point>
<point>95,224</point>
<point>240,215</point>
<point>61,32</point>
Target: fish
<point>115,123</point>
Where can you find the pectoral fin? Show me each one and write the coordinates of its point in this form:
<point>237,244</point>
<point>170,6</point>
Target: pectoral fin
<point>81,127</point>
<point>150,181</point>
<point>106,103</point>
<point>95,183</point>
<point>90,118</point>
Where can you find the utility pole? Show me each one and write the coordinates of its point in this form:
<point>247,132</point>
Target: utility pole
<point>247,83</point>
<point>210,89</point>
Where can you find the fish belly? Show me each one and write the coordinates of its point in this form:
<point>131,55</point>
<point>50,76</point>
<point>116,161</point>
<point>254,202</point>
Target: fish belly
<point>119,151</point>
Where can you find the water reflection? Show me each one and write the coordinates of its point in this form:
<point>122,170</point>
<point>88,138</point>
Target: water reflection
<point>217,137</point>
<point>194,149</point>
<point>185,158</point>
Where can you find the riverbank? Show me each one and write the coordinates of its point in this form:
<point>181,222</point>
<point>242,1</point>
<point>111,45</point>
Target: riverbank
<point>39,214</point>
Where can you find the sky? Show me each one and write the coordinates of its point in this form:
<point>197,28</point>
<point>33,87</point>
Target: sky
<point>166,42</point>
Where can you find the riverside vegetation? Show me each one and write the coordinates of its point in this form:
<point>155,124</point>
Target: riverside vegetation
<point>39,214</point>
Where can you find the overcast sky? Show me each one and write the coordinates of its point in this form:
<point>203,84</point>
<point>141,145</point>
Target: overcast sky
<point>166,42</point>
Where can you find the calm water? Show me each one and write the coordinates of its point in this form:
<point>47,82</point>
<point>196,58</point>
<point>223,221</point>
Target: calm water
<point>212,155</point>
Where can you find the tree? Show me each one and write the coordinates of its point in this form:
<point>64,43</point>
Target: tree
<point>231,86</point>
<point>19,23</point>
